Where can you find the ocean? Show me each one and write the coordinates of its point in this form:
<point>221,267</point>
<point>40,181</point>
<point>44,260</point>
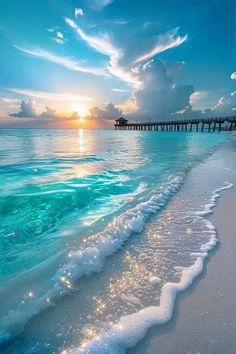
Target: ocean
<point>100,230</point>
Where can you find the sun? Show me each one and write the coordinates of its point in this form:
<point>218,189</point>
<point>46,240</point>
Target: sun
<point>80,110</point>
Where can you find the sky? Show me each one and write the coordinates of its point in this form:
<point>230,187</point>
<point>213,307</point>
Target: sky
<point>71,64</point>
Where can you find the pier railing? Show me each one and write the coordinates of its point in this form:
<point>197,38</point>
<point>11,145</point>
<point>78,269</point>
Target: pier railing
<point>198,125</point>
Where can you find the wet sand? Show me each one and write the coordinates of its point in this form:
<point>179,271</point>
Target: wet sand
<point>204,320</point>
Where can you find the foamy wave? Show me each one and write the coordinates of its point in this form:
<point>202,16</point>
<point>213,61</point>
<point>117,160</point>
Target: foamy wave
<point>132,328</point>
<point>90,258</point>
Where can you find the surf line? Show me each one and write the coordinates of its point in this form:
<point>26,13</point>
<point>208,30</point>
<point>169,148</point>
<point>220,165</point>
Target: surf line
<point>133,328</point>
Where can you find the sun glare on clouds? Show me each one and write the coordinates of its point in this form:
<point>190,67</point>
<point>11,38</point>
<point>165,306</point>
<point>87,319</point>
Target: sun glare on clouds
<point>80,110</point>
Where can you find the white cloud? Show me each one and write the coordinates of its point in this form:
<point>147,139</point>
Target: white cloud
<point>164,42</point>
<point>101,44</point>
<point>67,62</point>
<point>120,90</point>
<point>27,110</point>
<point>79,12</point>
<point>233,76</point>
<point>104,46</point>
<point>99,4</point>
<point>9,101</point>
<point>197,96</point>
<point>59,38</point>
<point>105,2</point>
<point>8,105</point>
<point>130,106</point>
<point>159,98</point>
<point>109,113</point>
<point>122,62</point>
<point>225,105</point>
<point>154,95</point>
<point>54,96</point>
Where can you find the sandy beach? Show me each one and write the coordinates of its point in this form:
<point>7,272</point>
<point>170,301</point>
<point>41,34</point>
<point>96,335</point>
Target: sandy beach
<point>204,320</point>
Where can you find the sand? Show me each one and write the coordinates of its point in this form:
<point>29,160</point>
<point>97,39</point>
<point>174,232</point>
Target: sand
<point>204,320</point>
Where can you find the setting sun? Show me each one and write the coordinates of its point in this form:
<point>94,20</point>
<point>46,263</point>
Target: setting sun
<point>80,110</point>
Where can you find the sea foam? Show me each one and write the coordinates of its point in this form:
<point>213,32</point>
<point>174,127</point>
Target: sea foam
<point>132,328</point>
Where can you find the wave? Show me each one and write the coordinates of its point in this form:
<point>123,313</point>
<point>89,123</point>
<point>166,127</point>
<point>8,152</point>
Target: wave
<point>132,328</point>
<point>88,259</point>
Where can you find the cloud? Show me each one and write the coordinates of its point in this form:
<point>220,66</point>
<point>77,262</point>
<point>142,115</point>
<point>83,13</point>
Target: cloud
<point>109,113</point>
<point>8,105</point>
<point>79,12</point>
<point>226,105</point>
<point>154,94</point>
<point>99,4</point>
<point>104,46</point>
<point>49,113</point>
<point>196,98</point>
<point>54,96</point>
<point>67,62</point>
<point>159,98</point>
<point>101,44</point>
<point>163,43</point>
<point>59,38</point>
<point>125,56</point>
<point>9,101</point>
<point>27,110</point>
<point>58,35</point>
<point>233,76</point>
<point>120,90</point>
<point>74,116</point>
<point>104,2</point>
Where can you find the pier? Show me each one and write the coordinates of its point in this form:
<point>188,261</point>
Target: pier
<point>186,125</point>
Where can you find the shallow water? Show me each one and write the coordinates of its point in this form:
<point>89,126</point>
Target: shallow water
<point>88,233</point>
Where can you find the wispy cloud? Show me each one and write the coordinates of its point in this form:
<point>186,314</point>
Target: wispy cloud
<point>120,90</point>
<point>11,101</point>
<point>100,4</point>
<point>164,42</point>
<point>59,38</point>
<point>79,12</point>
<point>54,96</point>
<point>103,45</point>
<point>197,96</point>
<point>105,2</point>
<point>233,76</point>
<point>67,62</point>
<point>125,63</point>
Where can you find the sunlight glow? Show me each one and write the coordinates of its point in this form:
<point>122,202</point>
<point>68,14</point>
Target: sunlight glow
<point>81,110</point>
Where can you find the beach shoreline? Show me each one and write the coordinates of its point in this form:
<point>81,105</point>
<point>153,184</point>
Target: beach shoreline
<point>168,244</point>
<point>204,319</point>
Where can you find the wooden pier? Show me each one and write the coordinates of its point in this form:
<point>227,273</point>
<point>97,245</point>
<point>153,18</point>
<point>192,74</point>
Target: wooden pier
<point>187,125</point>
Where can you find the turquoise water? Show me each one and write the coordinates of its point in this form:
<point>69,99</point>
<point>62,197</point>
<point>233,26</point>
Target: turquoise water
<point>50,178</point>
<point>59,188</point>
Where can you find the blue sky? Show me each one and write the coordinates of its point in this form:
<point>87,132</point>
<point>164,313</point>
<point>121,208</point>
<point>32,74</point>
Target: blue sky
<point>65,60</point>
